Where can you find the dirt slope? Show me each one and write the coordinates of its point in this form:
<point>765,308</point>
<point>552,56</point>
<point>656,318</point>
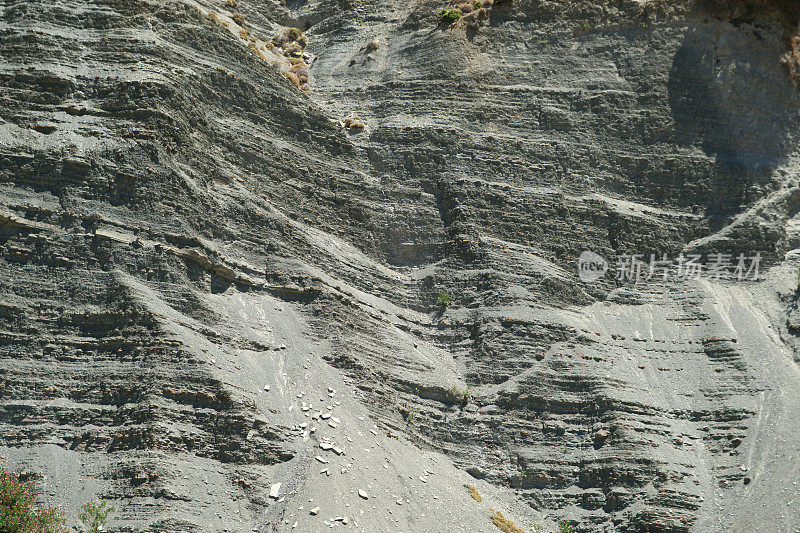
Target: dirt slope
<point>210,286</point>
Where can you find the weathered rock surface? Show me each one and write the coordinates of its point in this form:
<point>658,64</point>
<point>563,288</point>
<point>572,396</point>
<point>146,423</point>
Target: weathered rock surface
<point>198,259</point>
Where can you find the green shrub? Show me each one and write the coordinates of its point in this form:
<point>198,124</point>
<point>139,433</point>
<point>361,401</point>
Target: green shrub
<point>565,526</point>
<point>94,515</point>
<point>444,299</point>
<point>19,512</point>
<point>448,16</point>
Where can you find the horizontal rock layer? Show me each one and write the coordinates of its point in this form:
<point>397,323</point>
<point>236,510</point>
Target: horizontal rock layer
<point>193,250</point>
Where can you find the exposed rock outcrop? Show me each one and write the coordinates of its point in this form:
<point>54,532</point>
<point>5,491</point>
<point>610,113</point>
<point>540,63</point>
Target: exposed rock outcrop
<point>202,268</point>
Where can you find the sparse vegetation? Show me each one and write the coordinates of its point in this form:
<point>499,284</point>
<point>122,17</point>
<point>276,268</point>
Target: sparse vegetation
<point>292,78</point>
<point>445,299</point>
<point>470,12</point>
<point>288,37</point>
<point>448,16</point>
<point>238,18</point>
<point>792,58</point>
<point>353,122</point>
<point>566,526</point>
<point>231,3</point>
<point>474,493</point>
<point>213,16</point>
<point>412,414</point>
<point>94,515</point>
<point>290,43</point>
<point>300,71</point>
<point>456,395</point>
<point>504,524</point>
<point>19,512</point>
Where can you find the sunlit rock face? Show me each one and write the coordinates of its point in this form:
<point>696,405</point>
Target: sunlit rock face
<point>202,263</point>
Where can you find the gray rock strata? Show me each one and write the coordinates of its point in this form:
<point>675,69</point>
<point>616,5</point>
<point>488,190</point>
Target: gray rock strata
<point>199,261</point>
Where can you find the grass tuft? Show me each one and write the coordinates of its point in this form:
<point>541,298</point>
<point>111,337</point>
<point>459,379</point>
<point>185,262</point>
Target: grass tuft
<point>474,493</point>
<point>504,524</point>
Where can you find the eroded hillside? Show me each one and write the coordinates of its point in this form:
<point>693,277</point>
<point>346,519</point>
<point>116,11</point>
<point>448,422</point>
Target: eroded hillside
<point>211,285</point>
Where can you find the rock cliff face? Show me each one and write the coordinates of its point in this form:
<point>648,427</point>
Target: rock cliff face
<point>210,286</point>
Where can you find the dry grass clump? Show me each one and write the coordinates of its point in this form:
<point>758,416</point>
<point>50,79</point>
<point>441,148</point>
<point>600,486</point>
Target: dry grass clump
<point>292,78</point>
<point>290,43</point>
<point>299,69</point>
<point>213,16</point>
<point>474,493</point>
<point>353,122</point>
<point>289,37</point>
<point>504,524</point>
<point>474,18</point>
<point>471,13</point>
<point>238,18</point>
<point>231,3</point>
<point>792,58</point>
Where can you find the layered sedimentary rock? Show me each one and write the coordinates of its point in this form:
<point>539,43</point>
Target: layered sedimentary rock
<point>199,262</point>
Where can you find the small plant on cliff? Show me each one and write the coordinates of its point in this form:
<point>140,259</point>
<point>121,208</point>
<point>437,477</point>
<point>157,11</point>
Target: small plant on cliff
<point>504,524</point>
<point>566,526</point>
<point>19,512</point>
<point>288,37</point>
<point>412,413</point>
<point>448,16</point>
<point>444,299</point>
<point>456,395</point>
<point>453,395</point>
<point>94,515</point>
<point>474,493</point>
<point>354,122</point>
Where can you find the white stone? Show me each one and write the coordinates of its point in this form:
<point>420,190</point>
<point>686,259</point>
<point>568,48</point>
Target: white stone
<point>273,490</point>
